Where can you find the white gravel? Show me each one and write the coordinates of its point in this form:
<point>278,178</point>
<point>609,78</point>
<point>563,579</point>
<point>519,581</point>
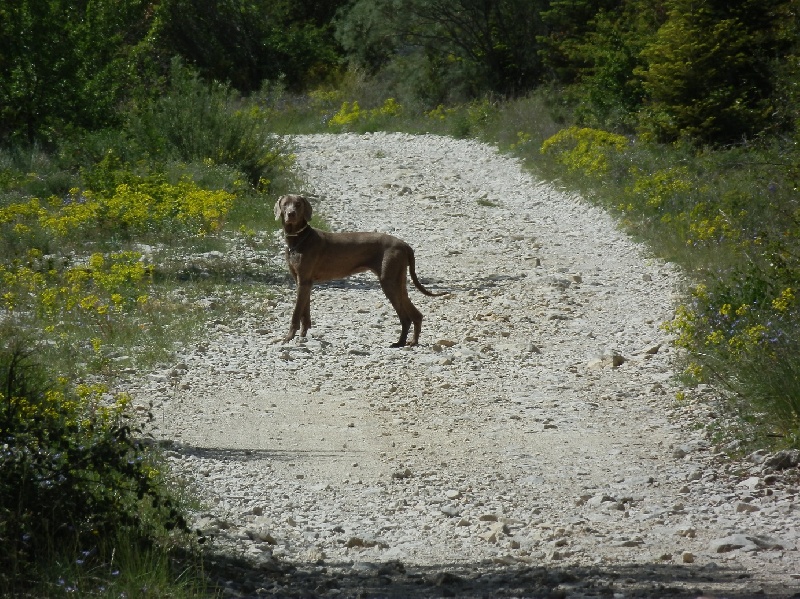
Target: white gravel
<point>531,445</point>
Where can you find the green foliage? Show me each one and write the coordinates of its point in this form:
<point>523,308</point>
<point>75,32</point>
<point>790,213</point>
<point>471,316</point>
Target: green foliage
<point>67,65</point>
<point>351,117</point>
<point>612,55</point>
<point>741,330</point>
<point>709,70</point>
<point>585,150</point>
<point>73,476</point>
<point>148,208</point>
<point>471,45</point>
<point>246,43</point>
<point>568,22</point>
<point>197,122</point>
<point>84,504</point>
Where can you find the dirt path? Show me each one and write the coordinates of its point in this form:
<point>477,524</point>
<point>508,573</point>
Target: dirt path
<point>530,446</point>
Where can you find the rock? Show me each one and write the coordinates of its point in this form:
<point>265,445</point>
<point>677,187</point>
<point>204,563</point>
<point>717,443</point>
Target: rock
<point>450,510</point>
<point>748,508</point>
<point>680,452</point>
<point>610,360</point>
<point>365,542</point>
<point>758,457</point>
<point>604,501</point>
<point>496,530</point>
<point>743,542</point>
<point>783,460</point>
<point>750,483</point>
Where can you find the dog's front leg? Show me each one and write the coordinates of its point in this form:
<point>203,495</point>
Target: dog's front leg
<point>301,317</point>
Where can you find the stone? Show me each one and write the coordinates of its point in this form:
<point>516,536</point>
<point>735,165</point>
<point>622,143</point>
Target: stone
<point>758,457</point>
<point>783,460</point>
<point>601,499</point>
<point>748,508</point>
<point>496,530</point>
<point>743,542</point>
<point>750,483</point>
<point>450,511</point>
<point>357,541</point>
<point>609,360</point>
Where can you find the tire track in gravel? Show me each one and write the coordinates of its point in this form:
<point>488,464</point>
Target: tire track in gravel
<point>533,430</point>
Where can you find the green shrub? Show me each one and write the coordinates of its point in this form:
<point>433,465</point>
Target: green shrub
<point>74,476</point>
<point>585,150</point>
<point>199,122</point>
<point>351,117</point>
<point>741,329</point>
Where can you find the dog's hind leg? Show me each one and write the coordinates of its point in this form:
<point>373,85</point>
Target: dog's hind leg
<point>393,283</point>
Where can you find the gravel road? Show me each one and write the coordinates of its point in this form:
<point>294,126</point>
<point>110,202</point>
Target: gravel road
<point>531,445</point>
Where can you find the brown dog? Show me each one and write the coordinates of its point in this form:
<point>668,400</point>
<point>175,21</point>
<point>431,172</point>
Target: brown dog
<point>315,256</point>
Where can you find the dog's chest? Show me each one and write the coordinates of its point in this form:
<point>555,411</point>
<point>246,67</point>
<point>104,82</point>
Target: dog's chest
<point>294,258</point>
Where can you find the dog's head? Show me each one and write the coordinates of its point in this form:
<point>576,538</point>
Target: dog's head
<point>293,209</point>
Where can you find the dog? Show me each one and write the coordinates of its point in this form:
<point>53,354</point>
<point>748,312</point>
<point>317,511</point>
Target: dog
<point>316,256</point>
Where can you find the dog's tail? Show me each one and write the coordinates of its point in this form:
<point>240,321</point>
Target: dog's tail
<point>413,272</point>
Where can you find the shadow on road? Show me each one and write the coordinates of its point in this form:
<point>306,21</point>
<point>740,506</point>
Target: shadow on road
<point>395,580</point>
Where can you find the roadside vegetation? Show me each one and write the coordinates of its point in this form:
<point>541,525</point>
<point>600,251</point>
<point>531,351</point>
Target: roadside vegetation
<point>136,140</point>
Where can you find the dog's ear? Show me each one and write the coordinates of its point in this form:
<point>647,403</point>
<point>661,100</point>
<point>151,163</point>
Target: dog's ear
<point>277,208</point>
<point>307,209</point>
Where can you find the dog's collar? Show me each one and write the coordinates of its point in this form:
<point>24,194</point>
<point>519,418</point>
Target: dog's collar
<point>290,249</point>
<point>285,234</point>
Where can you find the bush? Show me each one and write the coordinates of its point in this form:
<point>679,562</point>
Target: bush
<point>351,117</point>
<point>74,478</point>
<point>199,122</point>
<point>585,150</point>
<point>144,207</point>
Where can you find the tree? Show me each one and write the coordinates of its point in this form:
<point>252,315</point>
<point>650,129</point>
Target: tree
<point>246,43</point>
<point>65,63</point>
<point>567,23</point>
<point>607,58</point>
<point>710,72</point>
<point>492,42</point>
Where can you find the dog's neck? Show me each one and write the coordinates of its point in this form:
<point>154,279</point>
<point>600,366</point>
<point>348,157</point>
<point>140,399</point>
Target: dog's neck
<point>293,237</point>
<point>290,231</point>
